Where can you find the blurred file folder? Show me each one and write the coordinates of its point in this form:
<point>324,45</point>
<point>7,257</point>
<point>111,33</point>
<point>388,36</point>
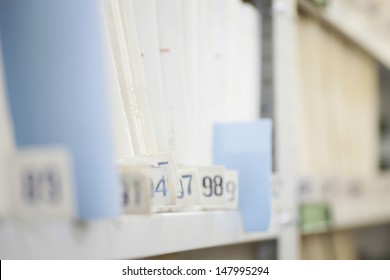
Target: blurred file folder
<point>6,141</point>
<point>55,73</point>
<point>246,147</point>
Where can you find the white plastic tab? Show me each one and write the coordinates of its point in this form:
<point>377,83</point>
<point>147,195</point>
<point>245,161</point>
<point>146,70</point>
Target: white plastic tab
<point>163,175</point>
<point>231,187</point>
<point>190,194</point>
<point>136,191</point>
<point>213,193</point>
<point>42,184</point>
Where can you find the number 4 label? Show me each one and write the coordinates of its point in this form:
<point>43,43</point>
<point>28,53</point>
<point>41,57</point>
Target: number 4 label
<point>41,184</point>
<point>164,178</point>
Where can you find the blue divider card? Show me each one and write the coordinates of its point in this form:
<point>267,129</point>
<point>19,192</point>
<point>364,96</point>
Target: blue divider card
<point>54,67</point>
<point>246,147</point>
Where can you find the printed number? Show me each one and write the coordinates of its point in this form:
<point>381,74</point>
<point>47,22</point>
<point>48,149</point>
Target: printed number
<point>231,190</point>
<point>131,192</point>
<point>41,185</point>
<point>223,271</point>
<point>161,186</point>
<point>151,188</point>
<point>189,180</point>
<point>261,270</point>
<point>54,182</point>
<point>218,185</point>
<point>213,185</point>
<point>125,201</point>
<point>233,270</point>
<point>31,186</point>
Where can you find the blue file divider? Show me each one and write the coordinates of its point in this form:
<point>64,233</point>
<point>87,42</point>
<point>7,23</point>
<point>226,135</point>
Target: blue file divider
<point>54,67</point>
<point>247,147</point>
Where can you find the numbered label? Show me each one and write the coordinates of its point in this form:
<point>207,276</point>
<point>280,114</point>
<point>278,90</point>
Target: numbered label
<point>231,188</point>
<point>135,190</point>
<point>160,185</point>
<point>311,188</point>
<point>42,184</point>
<point>213,192</point>
<point>189,194</point>
<point>185,185</point>
<point>164,180</point>
<point>355,188</point>
<point>330,187</point>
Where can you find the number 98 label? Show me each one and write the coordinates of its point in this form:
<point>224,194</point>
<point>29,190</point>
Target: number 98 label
<point>218,187</point>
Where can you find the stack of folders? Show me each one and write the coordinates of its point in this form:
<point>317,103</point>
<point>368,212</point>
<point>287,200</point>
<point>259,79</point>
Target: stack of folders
<point>338,111</point>
<point>132,84</point>
<point>176,69</point>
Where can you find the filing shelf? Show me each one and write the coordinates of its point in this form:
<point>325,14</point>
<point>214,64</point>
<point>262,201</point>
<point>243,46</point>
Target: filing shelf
<point>360,212</point>
<point>370,39</point>
<point>355,213</point>
<point>126,237</point>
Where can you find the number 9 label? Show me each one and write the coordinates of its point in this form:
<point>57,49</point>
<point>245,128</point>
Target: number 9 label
<point>231,187</point>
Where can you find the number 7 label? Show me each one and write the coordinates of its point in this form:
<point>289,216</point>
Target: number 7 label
<point>189,194</point>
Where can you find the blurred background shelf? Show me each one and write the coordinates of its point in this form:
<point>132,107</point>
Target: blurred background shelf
<point>360,212</point>
<point>353,213</point>
<point>126,237</point>
<point>358,229</point>
<point>355,26</point>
